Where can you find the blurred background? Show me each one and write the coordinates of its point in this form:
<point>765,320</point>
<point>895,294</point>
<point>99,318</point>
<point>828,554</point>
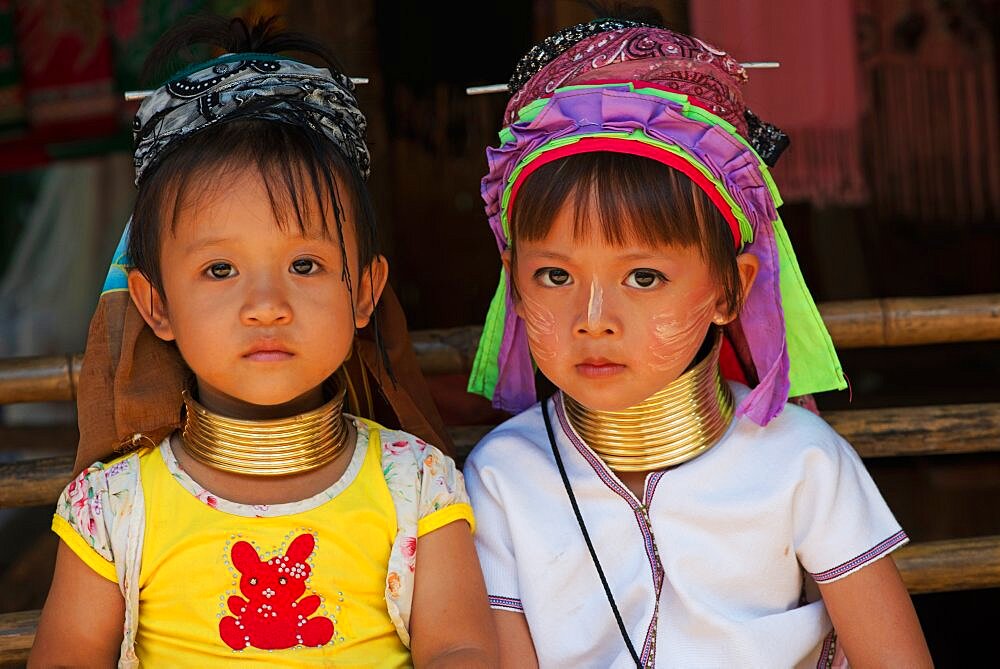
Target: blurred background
<point>891,189</point>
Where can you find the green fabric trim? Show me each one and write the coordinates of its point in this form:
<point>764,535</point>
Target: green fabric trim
<point>813,363</point>
<point>530,111</point>
<point>746,231</point>
<point>485,372</point>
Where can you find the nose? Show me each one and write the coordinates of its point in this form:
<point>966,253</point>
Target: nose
<point>594,315</point>
<point>266,303</point>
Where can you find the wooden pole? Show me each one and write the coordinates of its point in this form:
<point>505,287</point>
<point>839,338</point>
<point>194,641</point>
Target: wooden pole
<point>39,379</point>
<point>854,324</point>
<point>954,564</point>
<point>933,430</point>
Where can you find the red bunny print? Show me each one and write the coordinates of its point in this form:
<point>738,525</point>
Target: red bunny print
<point>272,616</point>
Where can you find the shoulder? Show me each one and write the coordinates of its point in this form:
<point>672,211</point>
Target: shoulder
<point>794,429</point>
<point>521,435</point>
<point>516,448</point>
<point>107,476</point>
<point>397,445</point>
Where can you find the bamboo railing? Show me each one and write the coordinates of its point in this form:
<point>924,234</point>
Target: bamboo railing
<point>937,566</point>
<point>853,324</point>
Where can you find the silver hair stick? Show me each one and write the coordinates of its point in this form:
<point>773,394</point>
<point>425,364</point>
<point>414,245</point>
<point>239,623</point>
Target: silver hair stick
<point>502,88</point>
<point>141,95</point>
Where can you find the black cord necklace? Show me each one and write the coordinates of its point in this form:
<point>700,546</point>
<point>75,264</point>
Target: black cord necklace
<point>586,535</point>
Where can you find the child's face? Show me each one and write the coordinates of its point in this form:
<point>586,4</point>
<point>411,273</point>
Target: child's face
<point>610,325</point>
<point>261,315</point>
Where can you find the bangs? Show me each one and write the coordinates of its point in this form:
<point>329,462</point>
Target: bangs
<point>305,175</point>
<point>626,199</point>
<point>630,199</point>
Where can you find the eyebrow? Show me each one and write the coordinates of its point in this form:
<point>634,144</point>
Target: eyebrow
<point>548,254</point>
<point>629,257</point>
<point>204,243</point>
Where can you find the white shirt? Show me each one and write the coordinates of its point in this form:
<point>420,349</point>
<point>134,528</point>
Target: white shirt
<point>734,529</point>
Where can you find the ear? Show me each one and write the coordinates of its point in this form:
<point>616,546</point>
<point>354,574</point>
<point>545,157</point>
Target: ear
<point>150,304</point>
<point>300,548</point>
<point>747,264</point>
<point>507,257</point>
<point>244,556</point>
<point>369,290</point>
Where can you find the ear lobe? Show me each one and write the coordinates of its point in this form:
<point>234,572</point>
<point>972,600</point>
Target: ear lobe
<point>369,290</point>
<point>150,305</point>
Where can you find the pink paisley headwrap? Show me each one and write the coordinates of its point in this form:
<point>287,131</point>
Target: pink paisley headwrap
<point>645,53</point>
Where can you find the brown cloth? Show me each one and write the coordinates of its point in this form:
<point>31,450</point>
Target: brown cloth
<point>130,385</point>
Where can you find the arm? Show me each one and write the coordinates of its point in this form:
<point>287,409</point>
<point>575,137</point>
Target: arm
<point>450,625</point>
<point>517,651</point>
<point>874,618</point>
<point>81,623</point>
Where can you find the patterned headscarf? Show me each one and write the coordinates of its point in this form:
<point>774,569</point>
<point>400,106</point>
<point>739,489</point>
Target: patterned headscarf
<point>258,85</point>
<point>131,381</point>
<point>648,91</point>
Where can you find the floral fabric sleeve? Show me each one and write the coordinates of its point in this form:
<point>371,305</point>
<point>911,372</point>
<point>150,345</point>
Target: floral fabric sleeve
<point>428,492</point>
<point>443,498</point>
<point>80,520</point>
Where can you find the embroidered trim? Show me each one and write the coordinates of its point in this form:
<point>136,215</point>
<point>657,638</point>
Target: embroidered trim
<point>506,603</point>
<point>602,471</point>
<point>866,557</point>
<point>828,652</point>
<point>654,480</point>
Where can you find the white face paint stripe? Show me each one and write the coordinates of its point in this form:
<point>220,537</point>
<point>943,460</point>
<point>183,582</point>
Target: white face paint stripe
<point>595,305</point>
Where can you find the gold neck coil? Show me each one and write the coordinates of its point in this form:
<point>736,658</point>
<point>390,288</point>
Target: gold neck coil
<point>676,424</point>
<point>275,447</point>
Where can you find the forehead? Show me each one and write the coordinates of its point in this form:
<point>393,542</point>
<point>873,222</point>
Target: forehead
<point>585,223</point>
<point>242,197</point>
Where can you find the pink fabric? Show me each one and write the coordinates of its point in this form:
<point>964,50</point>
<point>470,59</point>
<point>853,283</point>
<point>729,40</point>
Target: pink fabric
<point>814,95</point>
<point>680,62</point>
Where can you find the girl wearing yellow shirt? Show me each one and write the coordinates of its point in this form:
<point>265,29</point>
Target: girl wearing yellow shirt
<point>271,527</point>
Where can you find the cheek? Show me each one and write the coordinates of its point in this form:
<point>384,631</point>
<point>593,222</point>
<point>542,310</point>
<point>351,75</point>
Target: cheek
<point>677,330</point>
<point>540,324</point>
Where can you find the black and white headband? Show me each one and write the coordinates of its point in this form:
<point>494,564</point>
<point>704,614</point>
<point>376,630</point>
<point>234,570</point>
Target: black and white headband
<point>253,86</point>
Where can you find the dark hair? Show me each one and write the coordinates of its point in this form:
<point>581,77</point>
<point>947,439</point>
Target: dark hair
<point>302,170</point>
<point>625,10</point>
<point>632,199</point>
<point>293,160</point>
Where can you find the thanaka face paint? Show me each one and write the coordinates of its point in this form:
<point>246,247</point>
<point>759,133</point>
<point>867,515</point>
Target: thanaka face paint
<point>594,304</point>
<point>676,330</point>
<point>540,324</point>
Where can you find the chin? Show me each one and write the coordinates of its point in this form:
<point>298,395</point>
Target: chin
<point>603,401</point>
<point>624,396</point>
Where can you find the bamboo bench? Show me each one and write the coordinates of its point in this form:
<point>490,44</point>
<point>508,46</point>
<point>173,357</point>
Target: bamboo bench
<point>934,566</point>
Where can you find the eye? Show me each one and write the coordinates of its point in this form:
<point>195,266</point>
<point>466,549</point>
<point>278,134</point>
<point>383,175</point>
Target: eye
<point>282,580</point>
<point>553,277</point>
<point>644,278</point>
<point>221,270</point>
<point>253,581</point>
<point>305,266</point>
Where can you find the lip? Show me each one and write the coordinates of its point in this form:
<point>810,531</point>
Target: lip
<point>599,368</point>
<point>268,351</point>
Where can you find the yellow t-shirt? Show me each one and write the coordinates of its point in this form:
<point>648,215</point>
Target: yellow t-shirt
<point>280,585</point>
